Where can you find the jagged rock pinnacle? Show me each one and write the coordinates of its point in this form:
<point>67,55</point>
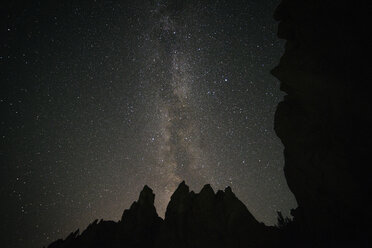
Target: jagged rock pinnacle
<point>146,196</point>
<point>204,219</point>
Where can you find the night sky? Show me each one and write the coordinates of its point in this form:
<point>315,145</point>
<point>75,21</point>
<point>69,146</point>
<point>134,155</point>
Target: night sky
<point>98,99</point>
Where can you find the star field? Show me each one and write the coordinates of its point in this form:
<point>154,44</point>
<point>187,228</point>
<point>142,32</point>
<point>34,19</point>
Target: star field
<point>99,99</point>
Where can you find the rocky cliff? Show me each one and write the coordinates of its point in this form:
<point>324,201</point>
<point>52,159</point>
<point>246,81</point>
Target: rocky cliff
<point>324,121</point>
<point>205,219</point>
<point>139,227</point>
<point>211,219</point>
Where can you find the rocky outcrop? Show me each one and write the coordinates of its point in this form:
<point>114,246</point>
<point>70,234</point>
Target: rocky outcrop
<point>211,219</point>
<point>139,227</point>
<point>206,219</point>
<point>324,121</point>
<point>141,223</point>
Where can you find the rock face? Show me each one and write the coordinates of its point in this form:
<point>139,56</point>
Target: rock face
<point>141,224</point>
<point>139,227</point>
<point>195,220</point>
<point>212,220</point>
<point>324,121</point>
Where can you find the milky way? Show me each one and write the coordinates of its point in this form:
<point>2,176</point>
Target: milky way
<point>180,155</point>
<point>100,99</point>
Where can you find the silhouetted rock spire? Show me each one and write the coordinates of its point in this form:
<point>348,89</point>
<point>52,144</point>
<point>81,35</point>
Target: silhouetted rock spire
<point>325,120</point>
<point>140,224</point>
<point>209,219</point>
<point>203,220</point>
<point>142,210</point>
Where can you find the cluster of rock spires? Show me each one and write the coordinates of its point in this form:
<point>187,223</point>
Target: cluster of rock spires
<point>325,126</point>
<point>206,219</point>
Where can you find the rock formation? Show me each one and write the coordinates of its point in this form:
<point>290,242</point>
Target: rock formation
<point>324,121</point>
<point>206,219</point>
<point>212,220</point>
<point>139,227</point>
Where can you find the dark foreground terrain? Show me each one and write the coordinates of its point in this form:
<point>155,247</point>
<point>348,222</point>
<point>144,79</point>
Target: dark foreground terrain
<point>325,126</point>
<point>206,219</point>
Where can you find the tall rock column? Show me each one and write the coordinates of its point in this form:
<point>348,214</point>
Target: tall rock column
<point>323,122</point>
